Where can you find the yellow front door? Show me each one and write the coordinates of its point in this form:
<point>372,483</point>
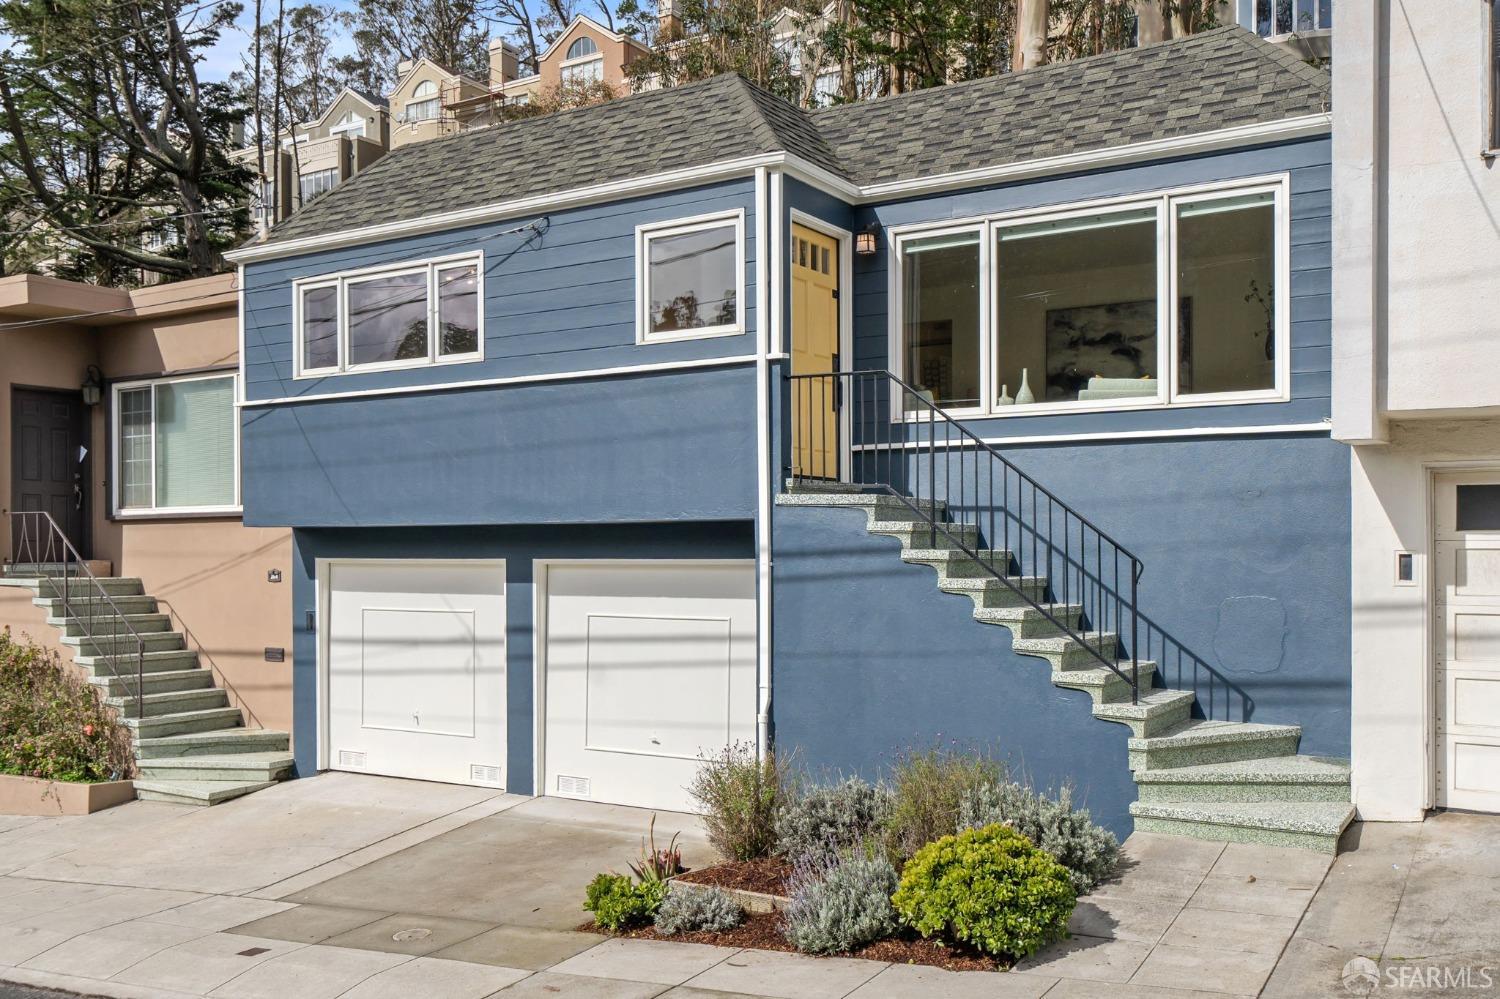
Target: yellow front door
<point>815,346</point>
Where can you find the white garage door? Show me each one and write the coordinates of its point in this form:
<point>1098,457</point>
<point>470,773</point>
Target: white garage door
<point>648,665</point>
<point>416,669</point>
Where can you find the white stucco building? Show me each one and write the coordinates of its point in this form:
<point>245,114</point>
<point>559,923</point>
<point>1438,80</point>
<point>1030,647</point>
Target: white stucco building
<point>1416,391</point>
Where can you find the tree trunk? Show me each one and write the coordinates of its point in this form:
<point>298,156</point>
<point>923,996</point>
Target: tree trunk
<point>1151,24</point>
<point>1031,34</point>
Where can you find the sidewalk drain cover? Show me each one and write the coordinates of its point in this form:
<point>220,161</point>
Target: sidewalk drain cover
<point>415,933</point>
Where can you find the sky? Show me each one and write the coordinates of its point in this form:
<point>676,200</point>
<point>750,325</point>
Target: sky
<point>226,57</point>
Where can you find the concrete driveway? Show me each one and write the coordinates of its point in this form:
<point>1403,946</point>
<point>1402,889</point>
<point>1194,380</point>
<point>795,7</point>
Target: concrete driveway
<point>363,887</point>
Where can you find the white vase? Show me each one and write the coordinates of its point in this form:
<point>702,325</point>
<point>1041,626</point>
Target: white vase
<point>1023,394</point>
<point>1006,399</point>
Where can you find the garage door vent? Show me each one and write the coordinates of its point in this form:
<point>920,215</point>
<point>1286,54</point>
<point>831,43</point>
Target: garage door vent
<point>578,787</point>
<point>483,773</point>
<point>349,758</point>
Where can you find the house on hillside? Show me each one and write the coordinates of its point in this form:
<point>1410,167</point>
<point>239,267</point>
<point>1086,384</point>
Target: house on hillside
<point>993,414</point>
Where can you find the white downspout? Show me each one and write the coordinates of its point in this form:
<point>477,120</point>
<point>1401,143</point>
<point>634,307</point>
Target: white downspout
<point>763,299</point>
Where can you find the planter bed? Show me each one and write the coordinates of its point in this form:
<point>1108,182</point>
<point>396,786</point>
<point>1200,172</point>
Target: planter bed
<point>762,931</point>
<point>759,886</point>
<point>33,796</point>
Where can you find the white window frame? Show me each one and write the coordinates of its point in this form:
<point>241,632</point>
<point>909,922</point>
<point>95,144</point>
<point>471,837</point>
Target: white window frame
<point>351,124</point>
<point>596,75</point>
<point>1165,202</point>
<point>582,56</point>
<point>343,279</point>
<point>644,234</point>
<point>117,454</point>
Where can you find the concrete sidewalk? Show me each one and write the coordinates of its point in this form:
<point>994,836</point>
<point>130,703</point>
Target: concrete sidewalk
<point>347,885</point>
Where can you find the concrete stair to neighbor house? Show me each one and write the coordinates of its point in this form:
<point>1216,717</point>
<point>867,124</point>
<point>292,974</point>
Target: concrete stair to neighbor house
<point>191,743</point>
<point>1219,780</point>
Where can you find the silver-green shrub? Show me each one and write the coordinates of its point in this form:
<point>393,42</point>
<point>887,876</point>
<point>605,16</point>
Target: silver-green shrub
<point>1088,851</point>
<point>837,817</point>
<point>839,902</point>
<point>686,909</point>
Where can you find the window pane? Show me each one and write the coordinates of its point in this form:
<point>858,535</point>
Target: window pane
<point>195,443</point>
<point>388,319</point>
<point>692,281</point>
<point>135,448</point>
<point>320,328</point>
<point>1226,254</point>
<point>940,317</point>
<point>458,310</point>
<point>1077,311</point>
<point>1479,508</point>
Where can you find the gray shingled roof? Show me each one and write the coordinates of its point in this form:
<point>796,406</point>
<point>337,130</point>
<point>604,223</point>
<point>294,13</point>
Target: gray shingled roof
<point>1206,82</point>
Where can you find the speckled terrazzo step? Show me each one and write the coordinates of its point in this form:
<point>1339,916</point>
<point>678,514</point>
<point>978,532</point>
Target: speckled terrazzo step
<point>1198,742</point>
<point>1307,825</point>
<point>1277,778</point>
<point>1155,711</point>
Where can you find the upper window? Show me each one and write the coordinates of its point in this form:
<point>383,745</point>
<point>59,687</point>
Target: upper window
<point>424,102</point>
<point>396,317</point>
<point>590,71</point>
<point>690,278</point>
<point>584,46</point>
<point>176,443</point>
<point>1170,299</point>
<point>351,124</point>
<point>316,182</point>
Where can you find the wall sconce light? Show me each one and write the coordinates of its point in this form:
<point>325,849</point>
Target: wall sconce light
<point>866,240</point>
<point>93,386</point>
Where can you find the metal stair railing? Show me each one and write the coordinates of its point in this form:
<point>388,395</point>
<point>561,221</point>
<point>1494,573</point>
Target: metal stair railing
<point>37,539</point>
<point>902,444</point>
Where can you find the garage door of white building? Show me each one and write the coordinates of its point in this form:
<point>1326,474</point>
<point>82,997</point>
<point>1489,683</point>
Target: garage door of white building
<point>415,679</point>
<point>644,667</point>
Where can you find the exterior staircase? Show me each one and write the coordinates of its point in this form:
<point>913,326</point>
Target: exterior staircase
<point>191,745</point>
<point>1215,780</point>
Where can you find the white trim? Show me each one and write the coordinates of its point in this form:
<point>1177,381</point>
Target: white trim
<point>780,337</point>
<point>239,384</point>
<point>1280,131</point>
<point>647,232</point>
<point>1268,430</point>
<point>116,453</point>
<point>557,376</point>
<point>341,280</point>
<point>762,473</point>
<point>1164,203</point>
<point>613,36</point>
<point>540,568</point>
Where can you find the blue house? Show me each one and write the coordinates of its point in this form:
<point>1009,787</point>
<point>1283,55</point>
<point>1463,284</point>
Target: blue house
<point>993,415</point>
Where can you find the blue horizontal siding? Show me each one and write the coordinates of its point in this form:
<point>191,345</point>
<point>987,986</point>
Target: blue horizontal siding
<point>560,301</point>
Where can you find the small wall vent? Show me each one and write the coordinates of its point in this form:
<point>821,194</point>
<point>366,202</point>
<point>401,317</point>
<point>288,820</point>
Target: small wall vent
<point>577,787</point>
<point>349,758</point>
<point>484,773</point>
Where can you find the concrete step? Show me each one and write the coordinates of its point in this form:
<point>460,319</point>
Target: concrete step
<point>820,487</point>
<point>1154,712</point>
<point>250,767</point>
<point>1307,825</point>
<point>1104,685</point>
<point>32,570</point>
<point>1281,778</point>
<point>123,585</point>
<point>183,722</point>
<point>1026,621</point>
<point>196,792</point>
<point>171,702</point>
<point>915,535</point>
<point>111,624</point>
<point>880,506</point>
<point>1198,742</point>
<point>86,605</point>
<point>212,742</point>
<point>1066,652</point>
<point>950,562</point>
<point>157,682</point>
<point>153,662</point>
<point>124,646</point>
<point>992,591</point>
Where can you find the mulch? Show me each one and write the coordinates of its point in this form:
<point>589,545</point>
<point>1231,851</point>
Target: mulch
<point>762,931</point>
<point>767,876</point>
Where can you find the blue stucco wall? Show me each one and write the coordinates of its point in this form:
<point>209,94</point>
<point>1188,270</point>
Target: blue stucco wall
<point>650,447</point>
<point>518,546</point>
<point>872,660</point>
<point>561,300</point>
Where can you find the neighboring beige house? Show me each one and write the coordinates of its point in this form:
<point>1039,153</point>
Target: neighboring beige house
<point>420,101</point>
<point>118,419</point>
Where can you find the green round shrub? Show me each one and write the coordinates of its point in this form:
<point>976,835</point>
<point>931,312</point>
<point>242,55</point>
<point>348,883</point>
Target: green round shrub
<point>618,903</point>
<point>989,888</point>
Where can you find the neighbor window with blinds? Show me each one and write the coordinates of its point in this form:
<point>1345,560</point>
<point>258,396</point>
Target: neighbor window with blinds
<point>690,278</point>
<point>176,446</point>
<point>425,312</point>
<point>1171,299</point>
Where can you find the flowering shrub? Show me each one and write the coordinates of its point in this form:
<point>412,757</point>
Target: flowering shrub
<point>840,901</point>
<point>53,724</point>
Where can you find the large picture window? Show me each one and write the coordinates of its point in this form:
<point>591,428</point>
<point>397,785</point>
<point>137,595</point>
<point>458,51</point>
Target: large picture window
<point>176,446</point>
<point>690,279</point>
<point>411,315</point>
<point>1173,299</point>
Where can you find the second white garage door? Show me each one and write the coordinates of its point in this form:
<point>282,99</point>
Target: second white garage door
<point>416,669</point>
<point>647,667</point>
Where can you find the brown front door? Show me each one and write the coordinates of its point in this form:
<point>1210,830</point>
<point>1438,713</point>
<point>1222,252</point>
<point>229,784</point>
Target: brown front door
<point>49,462</point>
